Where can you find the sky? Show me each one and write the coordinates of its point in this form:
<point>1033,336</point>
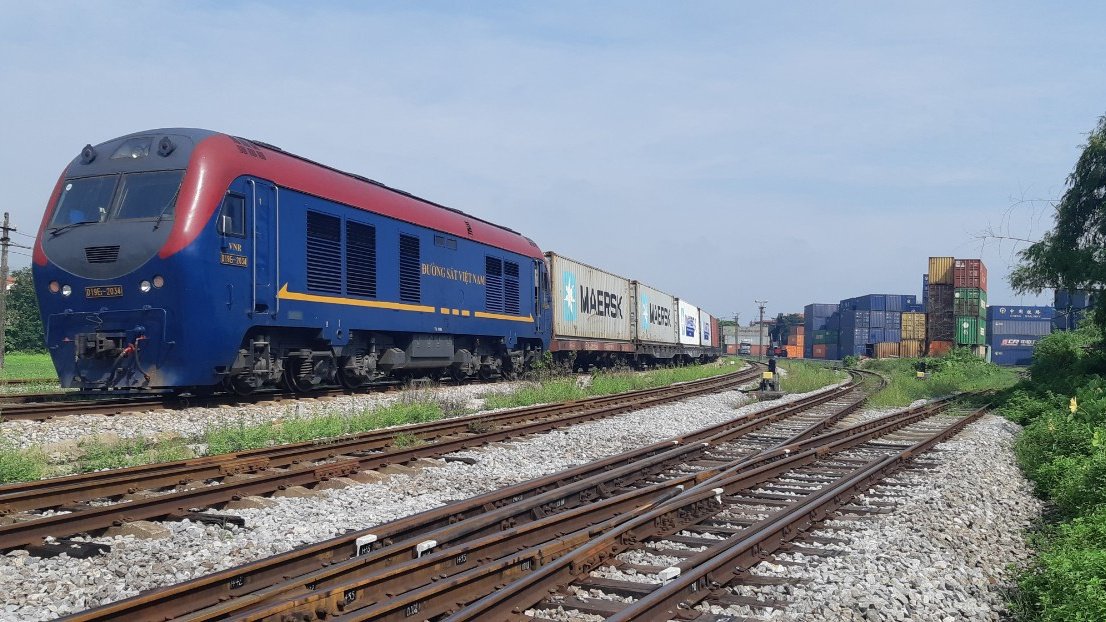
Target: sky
<point>725,152</point>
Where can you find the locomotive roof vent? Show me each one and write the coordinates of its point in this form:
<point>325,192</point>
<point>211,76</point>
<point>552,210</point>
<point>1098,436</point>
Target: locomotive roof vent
<point>88,154</point>
<point>101,254</point>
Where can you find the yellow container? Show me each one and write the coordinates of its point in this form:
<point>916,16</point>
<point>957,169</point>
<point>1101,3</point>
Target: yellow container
<point>912,348</point>
<point>942,270</point>
<point>914,325</point>
<point>885,350</point>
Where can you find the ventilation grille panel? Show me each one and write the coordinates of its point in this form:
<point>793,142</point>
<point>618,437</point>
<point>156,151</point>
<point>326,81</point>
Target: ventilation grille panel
<point>410,278</point>
<point>493,289</point>
<point>101,254</point>
<point>360,259</point>
<point>324,253</point>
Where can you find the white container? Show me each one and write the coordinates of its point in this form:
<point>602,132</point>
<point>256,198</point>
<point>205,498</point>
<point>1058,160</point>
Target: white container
<point>588,303</point>
<point>689,330</point>
<point>654,316</point>
<point>704,328</point>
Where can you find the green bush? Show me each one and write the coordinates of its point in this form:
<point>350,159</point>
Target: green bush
<point>1067,581</point>
<point>957,371</point>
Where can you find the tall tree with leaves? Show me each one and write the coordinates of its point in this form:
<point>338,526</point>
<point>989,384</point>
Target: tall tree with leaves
<point>24,325</point>
<point>1072,255</point>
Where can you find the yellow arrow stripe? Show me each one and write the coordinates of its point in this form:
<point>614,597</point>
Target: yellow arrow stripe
<point>284,294</point>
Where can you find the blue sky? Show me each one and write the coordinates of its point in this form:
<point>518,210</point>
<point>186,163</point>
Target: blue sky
<point>721,151</point>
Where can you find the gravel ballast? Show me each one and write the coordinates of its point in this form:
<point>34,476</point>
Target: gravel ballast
<point>193,422</point>
<point>40,589</point>
<point>943,553</point>
<point>940,555</point>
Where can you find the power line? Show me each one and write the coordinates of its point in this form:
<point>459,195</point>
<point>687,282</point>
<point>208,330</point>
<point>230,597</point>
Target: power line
<point>26,235</point>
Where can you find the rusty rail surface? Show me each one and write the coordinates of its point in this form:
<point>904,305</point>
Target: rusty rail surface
<point>219,594</point>
<point>267,470</point>
<point>702,576</point>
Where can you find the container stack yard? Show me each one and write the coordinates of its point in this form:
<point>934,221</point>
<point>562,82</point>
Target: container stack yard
<point>871,325</point>
<point>822,325</point>
<point>940,306</point>
<point>970,304</point>
<point>1014,331</point>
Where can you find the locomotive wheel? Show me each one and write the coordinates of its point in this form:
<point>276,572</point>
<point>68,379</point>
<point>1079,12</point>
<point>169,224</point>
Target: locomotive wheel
<point>297,381</point>
<point>238,386</point>
<point>350,381</point>
<point>456,375</point>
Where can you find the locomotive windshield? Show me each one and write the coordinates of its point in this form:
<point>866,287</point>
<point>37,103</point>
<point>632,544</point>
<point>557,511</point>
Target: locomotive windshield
<point>118,197</point>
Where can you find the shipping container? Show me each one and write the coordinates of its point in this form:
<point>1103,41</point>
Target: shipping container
<point>794,352</point>
<point>1011,312</point>
<point>592,303</point>
<point>833,352</point>
<point>1071,307</point>
<point>925,291</point>
<point>970,273</point>
<point>817,315</point>
<point>914,308</point>
<point>653,315</point>
<point>1012,356</point>
<point>875,335</point>
<point>892,334</point>
<point>818,351</point>
<point>940,319</point>
<point>704,328</point>
<point>715,332</point>
<point>970,330</point>
<point>938,348</point>
<point>914,326</point>
<point>824,337</point>
<point>688,323</point>
<point>757,350</point>
<point>942,271</point>
<point>1019,327</point>
<point>970,301</point>
<point>912,348</point>
<point>885,350</point>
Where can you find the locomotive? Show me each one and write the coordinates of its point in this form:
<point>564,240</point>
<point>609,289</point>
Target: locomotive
<point>192,260</point>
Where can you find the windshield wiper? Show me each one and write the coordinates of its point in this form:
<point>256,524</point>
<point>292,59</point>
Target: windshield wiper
<point>56,230</point>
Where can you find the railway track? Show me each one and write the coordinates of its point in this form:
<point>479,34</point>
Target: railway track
<point>461,526</point>
<point>91,502</point>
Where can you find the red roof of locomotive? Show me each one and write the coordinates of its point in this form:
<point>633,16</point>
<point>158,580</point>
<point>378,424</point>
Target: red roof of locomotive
<point>219,159</point>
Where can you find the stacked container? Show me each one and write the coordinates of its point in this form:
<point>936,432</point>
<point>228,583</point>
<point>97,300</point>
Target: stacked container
<point>1014,332</point>
<point>970,301</point>
<point>817,318</point>
<point>940,298</point>
<point>872,320</point>
<point>1071,307</point>
<point>913,334</point>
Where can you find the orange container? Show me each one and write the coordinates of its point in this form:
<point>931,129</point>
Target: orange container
<point>885,349</point>
<point>794,352</point>
<point>937,348</point>
<point>911,348</point>
<point>819,351</point>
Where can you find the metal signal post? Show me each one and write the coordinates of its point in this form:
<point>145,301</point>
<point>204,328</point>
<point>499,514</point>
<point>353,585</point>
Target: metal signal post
<point>5,241</point>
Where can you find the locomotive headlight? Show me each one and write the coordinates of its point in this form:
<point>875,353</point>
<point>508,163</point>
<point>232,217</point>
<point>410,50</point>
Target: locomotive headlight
<point>159,281</point>
<point>55,287</point>
<point>145,287</point>
<point>66,290</point>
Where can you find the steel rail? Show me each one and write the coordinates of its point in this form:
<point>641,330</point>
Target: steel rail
<point>348,456</point>
<point>323,563</point>
<point>685,510</point>
<point>72,489</point>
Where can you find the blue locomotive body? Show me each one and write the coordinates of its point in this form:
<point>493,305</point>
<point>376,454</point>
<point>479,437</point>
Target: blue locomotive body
<point>215,261</point>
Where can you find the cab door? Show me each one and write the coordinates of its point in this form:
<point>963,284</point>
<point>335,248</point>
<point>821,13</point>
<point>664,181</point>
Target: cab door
<point>265,274</point>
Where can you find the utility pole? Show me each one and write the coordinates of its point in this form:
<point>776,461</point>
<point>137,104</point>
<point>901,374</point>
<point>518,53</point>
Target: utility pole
<point>5,239</point>
<point>762,304</point>
<point>736,341</point>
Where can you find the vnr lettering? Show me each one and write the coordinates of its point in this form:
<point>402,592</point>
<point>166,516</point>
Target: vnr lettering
<point>660,316</point>
<point>599,302</point>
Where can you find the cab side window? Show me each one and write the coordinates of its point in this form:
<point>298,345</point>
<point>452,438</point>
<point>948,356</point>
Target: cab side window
<point>232,217</point>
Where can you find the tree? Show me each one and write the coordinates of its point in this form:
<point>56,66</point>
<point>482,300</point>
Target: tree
<point>24,324</point>
<point>1073,254</point>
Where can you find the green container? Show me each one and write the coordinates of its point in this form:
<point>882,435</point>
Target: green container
<point>970,301</point>
<point>825,336</point>
<point>970,330</point>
